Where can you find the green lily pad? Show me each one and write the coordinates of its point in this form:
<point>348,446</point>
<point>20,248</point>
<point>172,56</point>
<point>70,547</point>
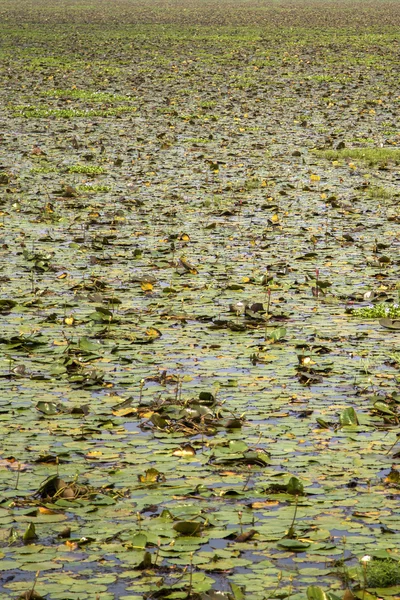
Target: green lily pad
<point>293,545</point>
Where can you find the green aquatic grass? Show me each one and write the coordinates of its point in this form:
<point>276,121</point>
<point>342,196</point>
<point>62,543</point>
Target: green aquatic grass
<point>372,156</point>
<point>70,113</point>
<point>56,62</point>
<point>380,192</point>
<point>209,104</point>
<point>383,573</point>
<point>86,169</point>
<point>87,188</point>
<point>86,95</point>
<point>43,170</point>
<point>197,140</point>
<point>326,78</point>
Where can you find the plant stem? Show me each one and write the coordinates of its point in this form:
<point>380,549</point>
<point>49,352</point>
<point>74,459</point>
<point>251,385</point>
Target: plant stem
<point>290,533</point>
<point>30,595</point>
<point>18,472</point>
<point>141,391</point>
<point>246,483</point>
<point>190,576</point>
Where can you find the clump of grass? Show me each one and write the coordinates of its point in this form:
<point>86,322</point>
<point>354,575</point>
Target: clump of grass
<point>395,357</point>
<point>372,156</point>
<point>69,113</point>
<point>208,104</point>
<point>86,95</point>
<point>379,311</point>
<point>43,170</point>
<point>379,192</point>
<point>188,117</point>
<point>253,183</point>
<point>383,573</point>
<point>86,169</point>
<point>197,140</point>
<point>185,92</point>
<point>329,78</point>
<point>93,188</point>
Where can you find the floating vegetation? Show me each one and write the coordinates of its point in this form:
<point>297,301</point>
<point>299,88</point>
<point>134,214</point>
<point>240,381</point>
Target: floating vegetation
<point>372,156</point>
<point>69,113</point>
<point>87,95</point>
<point>43,169</point>
<point>378,311</point>
<point>199,357</point>
<point>87,169</point>
<point>93,188</point>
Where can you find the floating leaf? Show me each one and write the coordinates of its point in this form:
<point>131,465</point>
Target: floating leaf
<point>151,476</point>
<point>139,541</point>
<point>159,421</point>
<point>206,398</point>
<point>153,333</point>
<point>48,408</point>
<point>185,451</point>
<point>188,527</point>
<point>146,286</point>
<point>7,304</point>
<point>390,323</point>
<point>277,334</point>
<point>293,545</point>
<point>393,477</point>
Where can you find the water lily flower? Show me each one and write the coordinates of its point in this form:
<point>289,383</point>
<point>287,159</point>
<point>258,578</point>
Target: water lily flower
<point>365,559</point>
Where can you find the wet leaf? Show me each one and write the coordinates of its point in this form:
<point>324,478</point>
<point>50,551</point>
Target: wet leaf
<point>188,527</point>
<point>382,407</point>
<point>390,323</point>
<point>237,591</point>
<point>30,533</point>
<point>293,545</point>
<point>146,286</point>
<point>48,408</point>
<point>295,487</point>
<point>393,477</point>
<point>151,476</point>
<point>348,417</point>
<point>185,451</point>
<point>139,541</point>
<point>314,592</point>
